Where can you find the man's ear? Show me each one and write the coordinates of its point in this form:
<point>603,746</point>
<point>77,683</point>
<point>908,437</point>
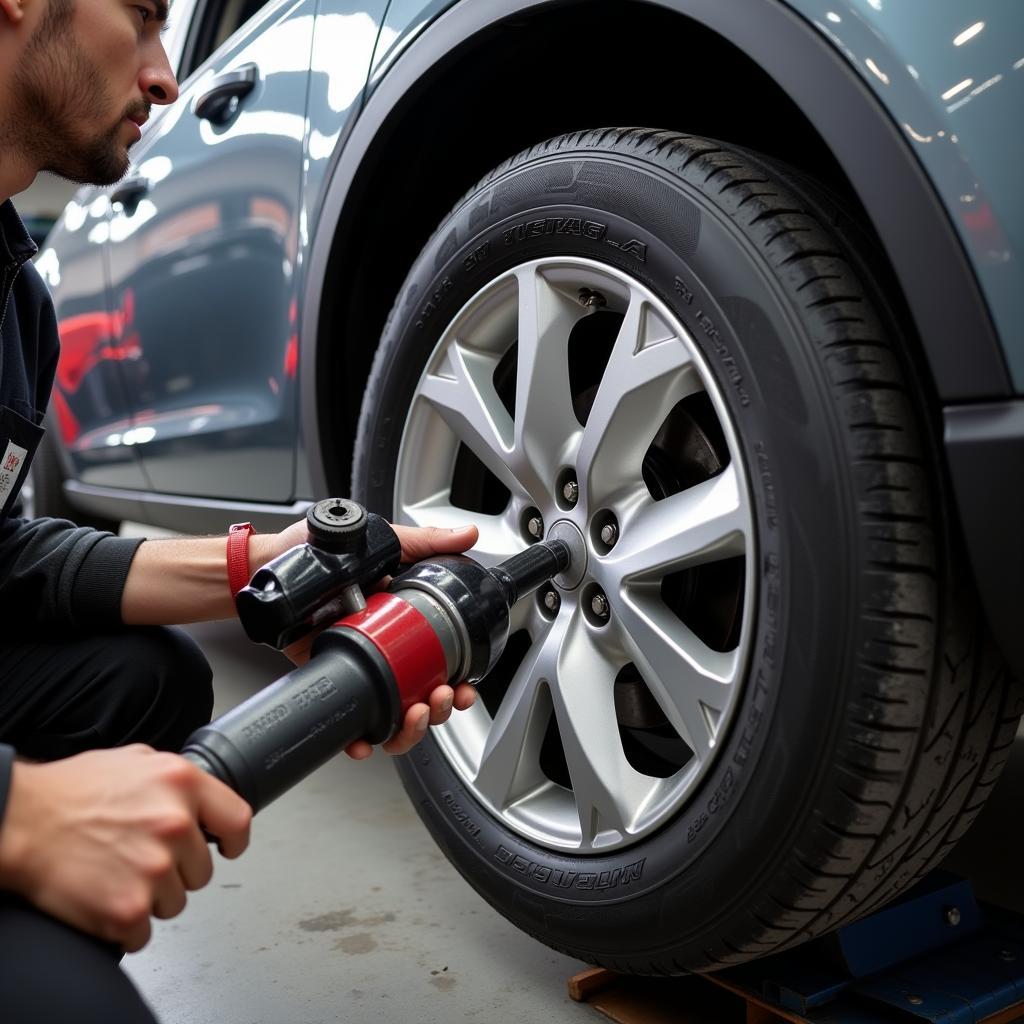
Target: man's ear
<point>13,10</point>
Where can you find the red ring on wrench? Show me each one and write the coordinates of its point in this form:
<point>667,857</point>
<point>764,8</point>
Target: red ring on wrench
<point>406,641</point>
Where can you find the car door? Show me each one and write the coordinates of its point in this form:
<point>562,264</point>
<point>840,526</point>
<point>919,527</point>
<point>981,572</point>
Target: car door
<point>90,407</point>
<point>202,252</point>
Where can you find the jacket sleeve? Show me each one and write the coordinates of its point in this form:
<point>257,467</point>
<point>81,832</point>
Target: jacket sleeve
<point>54,573</point>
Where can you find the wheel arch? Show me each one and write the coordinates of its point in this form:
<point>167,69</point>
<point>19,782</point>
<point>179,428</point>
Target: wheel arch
<point>477,86</point>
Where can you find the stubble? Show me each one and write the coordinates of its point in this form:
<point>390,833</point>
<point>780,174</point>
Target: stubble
<point>62,106</point>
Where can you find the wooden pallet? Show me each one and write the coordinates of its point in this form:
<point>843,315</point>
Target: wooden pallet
<point>696,999</point>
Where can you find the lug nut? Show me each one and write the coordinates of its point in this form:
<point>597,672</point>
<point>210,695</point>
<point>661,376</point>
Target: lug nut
<point>571,492</point>
<point>552,601</point>
<point>609,534</point>
<point>592,299</point>
<point>599,606</point>
<point>952,916</point>
<point>535,527</point>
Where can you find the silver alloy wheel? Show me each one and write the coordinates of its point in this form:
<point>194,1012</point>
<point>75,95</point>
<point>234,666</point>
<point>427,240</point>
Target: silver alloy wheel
<point>574,658</point>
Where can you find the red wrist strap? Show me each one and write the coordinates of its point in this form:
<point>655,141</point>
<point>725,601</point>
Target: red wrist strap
<point>238,556</point>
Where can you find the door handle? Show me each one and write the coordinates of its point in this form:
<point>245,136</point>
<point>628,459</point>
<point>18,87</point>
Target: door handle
<point>220,102</point>
<point>129,192</point>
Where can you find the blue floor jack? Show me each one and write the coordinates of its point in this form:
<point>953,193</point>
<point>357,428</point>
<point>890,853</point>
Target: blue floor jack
<point>934,955</point>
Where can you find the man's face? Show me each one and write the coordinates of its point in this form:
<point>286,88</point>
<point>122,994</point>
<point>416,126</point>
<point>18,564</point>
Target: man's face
<point>86,81</point>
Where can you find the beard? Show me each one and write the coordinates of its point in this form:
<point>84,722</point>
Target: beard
<point>63,108</point>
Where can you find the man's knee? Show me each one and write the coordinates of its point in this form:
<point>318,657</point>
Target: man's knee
<point>50,972</point>
<point>139,685</point>
<point>164,688</point>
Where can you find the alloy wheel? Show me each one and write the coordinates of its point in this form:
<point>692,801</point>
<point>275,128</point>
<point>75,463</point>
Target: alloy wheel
<point>566,399</point>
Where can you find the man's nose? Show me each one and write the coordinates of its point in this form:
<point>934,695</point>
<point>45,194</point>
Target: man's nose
<point>157,81</point>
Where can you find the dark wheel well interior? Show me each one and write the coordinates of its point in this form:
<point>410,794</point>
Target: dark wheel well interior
<point>572,67</point>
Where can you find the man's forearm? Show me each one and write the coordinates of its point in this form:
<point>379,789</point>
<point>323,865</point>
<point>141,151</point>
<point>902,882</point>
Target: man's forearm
<point>185,579</point>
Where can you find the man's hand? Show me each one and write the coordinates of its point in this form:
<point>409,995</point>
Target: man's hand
<point>417,543</point>
<point>107,839</point>
<point>417,718</point>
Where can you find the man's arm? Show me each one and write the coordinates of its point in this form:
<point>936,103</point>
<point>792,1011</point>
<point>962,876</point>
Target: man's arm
<point>185,580</point>
<point>106,839</point>
<point>182,580</point>
<point>171,582</point>
<point>55,574</point>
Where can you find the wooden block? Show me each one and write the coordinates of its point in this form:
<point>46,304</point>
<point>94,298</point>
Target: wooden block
<point>636,1000</point>
<point>692,999</point>
<point>1011,1013</point>
<point>587,983</point>
<point>757,1014</point>
<point>759,1010</point>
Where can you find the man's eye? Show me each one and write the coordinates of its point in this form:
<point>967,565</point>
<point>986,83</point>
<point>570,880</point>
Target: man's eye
<point>146,14</point>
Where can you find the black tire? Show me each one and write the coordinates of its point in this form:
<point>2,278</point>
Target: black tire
<point>875,716</point>
<point>48,497</point>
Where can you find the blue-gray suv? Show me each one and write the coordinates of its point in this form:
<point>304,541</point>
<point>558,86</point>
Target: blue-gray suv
<point>729,292</point>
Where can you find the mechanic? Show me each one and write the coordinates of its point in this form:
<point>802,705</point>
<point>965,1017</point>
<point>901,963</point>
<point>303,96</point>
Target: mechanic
<point>99,831</point>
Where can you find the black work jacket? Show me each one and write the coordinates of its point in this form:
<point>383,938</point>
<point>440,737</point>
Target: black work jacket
<point>52,573</point>
<point>54,576</point>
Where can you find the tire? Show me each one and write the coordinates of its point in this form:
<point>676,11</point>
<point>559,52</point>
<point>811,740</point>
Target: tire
<point>48,497</point>
<point>868,715</point>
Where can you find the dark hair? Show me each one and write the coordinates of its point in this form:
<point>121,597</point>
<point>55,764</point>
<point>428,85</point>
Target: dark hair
<point>56,21</point>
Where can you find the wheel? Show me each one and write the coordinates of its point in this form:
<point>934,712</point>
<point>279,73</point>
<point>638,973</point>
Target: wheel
<point>47,491</point>
<point>761,702</point>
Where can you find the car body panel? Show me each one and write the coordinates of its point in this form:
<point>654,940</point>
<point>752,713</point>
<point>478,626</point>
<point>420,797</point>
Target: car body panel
<point>344,39</point>
<point>90,404</point>
<point>953,88</point>
<point>90,400</point>
<point>207,257</point>
<point>402,23</point>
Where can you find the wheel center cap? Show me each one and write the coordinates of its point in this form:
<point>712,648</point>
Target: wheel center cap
<point>569,532</point>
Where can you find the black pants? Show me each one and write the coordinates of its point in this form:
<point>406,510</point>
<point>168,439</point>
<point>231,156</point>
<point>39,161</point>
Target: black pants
<point>60,696</point>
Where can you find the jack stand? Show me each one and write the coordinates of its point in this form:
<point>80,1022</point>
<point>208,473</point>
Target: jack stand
<point>934,955</point>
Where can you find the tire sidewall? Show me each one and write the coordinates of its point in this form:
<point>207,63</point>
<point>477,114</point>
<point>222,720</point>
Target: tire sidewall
<point>741,820</point>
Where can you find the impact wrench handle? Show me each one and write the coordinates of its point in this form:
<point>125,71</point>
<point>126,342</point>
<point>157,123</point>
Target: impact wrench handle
<point>443,621</point>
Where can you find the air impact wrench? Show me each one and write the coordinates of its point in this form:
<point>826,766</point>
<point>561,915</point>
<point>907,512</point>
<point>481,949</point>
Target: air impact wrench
<point>444,620</point>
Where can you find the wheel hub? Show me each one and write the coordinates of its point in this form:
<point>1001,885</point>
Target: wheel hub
<point>569,532</point>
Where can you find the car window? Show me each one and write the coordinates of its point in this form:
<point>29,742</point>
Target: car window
<point>214,23</point>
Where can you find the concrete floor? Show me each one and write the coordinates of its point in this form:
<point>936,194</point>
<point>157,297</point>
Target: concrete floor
<point>342,910</point>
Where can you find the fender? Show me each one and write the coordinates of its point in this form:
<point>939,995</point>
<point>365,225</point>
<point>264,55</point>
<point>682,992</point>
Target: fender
<point>942,292</point>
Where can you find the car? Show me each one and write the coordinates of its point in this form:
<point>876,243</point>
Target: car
<point>728,294</point>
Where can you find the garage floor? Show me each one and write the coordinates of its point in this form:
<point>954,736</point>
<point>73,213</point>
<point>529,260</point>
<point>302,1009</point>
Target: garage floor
<point>342,911</point>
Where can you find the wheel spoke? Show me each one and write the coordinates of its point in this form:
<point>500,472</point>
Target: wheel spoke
<point>691,682</point>
<point>510,764</point>
<point>609,792</point>
<point>648,372</point>
<point>461,389</point>
<point>704,523</point>
<point>545,427</point>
